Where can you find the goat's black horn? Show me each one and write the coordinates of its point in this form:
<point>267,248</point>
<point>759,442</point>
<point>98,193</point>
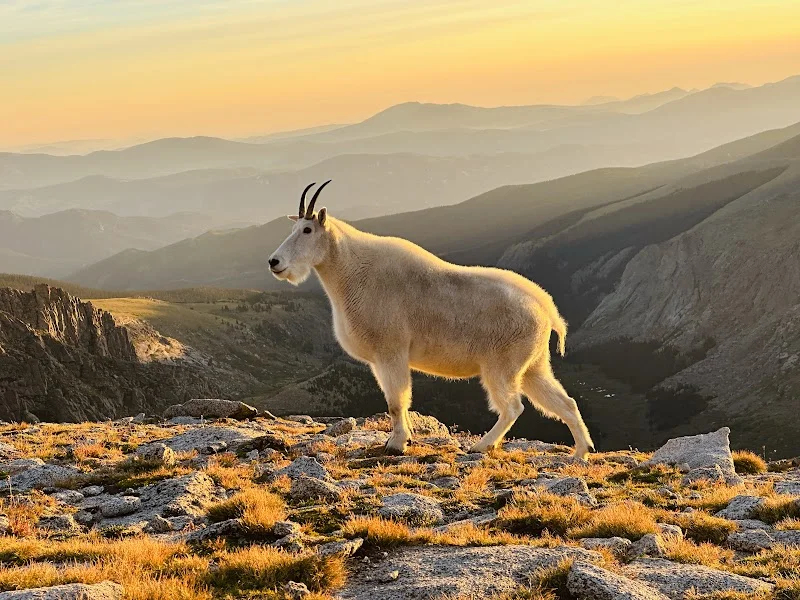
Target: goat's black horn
<point>310,211</point>
<point>303,198</point>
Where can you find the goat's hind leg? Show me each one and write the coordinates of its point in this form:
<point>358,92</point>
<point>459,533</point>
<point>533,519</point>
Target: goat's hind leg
<point>503,387</point>
<point>394,378</point>
<point>548,395</point>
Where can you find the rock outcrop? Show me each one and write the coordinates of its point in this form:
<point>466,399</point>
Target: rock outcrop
<point>62,359</point>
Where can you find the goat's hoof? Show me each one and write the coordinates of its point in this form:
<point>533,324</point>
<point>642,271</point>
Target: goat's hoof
<point>394,450</point>
<point>479,449</point>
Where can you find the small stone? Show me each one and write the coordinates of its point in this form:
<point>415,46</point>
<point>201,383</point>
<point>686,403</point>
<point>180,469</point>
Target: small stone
<point>389,576</point>
<point>741,507</point>
<point>215,447</point>
<point>617,545</point>
<point>310,488</point>
<point>284,528</point>
<point>649,544</point>
<point>345,548</point>
<point>58,523</point>
<point>448,482</point>
<point>159,524</point>
<point>295,591</point>
<point>252,455</point>
<point>412,508</point>
<point>303,419</point>
<point>290,543</point>
<point>5,525</point>
<point>304,465</point>
<point>69,497</point>
<point>120,506</point>
<point>84,517</point>
<point>340,427</point>
<point>670,530</point>
<point>751,540</point>
<point>157,452</point>
<point>92,490</point>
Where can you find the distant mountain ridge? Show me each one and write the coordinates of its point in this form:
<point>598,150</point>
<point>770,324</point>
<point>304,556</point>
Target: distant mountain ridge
<point>58,243</point>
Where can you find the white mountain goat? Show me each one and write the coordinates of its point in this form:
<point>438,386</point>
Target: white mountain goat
<point>399,308</point>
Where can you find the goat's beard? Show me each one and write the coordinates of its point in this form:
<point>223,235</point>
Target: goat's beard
<point>297,276</point>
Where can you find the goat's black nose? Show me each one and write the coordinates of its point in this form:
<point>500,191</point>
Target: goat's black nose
<point>274,262</point>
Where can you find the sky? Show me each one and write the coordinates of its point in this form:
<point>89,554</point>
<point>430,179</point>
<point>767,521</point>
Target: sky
<point>143,69</point>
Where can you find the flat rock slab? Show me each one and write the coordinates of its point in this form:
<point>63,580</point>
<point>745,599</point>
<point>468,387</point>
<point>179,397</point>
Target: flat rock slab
<point>187,496</point>
<point>590,582</point>
<point>211,408</point>
<point>435,571</point>
<point>675,579</point>
<point>203,438</point>
<point>106,590</point>
<point>699,452</point>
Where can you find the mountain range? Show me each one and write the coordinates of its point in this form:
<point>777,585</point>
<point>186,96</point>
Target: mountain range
<point>680,278</point>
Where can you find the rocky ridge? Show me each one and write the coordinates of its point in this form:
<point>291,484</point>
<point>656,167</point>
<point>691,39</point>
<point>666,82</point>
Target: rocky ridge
<point>436,523</point>
<point>62,359</point>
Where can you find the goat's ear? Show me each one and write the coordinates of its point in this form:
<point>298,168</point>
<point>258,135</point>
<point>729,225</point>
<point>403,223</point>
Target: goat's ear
<point>293,217</point>
<point>322,215</point>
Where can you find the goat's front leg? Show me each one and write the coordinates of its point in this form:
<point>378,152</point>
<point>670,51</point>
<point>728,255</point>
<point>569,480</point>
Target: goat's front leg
<point>394,378</point>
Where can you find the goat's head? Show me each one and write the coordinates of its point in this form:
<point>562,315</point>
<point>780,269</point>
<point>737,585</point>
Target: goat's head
<point>306,245</point>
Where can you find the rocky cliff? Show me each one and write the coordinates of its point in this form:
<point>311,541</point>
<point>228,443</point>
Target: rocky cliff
<point>62,359</point>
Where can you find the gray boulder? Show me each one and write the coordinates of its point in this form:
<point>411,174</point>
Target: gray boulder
<point>790,487</point>
<point>345,548</point>
<point>649,544</point>
<point>68,497</point>
<point>157,452</point>
<point>204,438</point>
<point>590,582</point>
<point>5,525</point>
<point>741,507</point>
<point>340,427</point>
<point>751,540</point>
<point>311,488</point>
<point>617,545</point>
<point>106,590</point>
<point>674,580</point>
<point>42,476</point>
<point>211,408</point>
<point>429,572</point>
<point>120,506</point>
<point>304,465</point>
<point>58,523</point>
<point>412,508</point>
<point>699,452</point>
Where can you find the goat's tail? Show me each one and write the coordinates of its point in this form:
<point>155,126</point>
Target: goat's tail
<point>559,325</point>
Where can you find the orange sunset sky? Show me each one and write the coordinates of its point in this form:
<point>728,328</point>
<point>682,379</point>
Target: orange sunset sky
<point>141,69</point>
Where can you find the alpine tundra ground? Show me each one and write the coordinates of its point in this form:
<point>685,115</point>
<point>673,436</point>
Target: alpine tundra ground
<point>252,506</point>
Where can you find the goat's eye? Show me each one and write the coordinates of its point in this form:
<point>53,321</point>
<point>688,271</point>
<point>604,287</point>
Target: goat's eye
<point>307,230</point>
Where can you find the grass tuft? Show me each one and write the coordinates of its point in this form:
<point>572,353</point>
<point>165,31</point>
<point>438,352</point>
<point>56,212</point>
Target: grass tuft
<point>748,463</point>
<point>534,514</point>
<point>624,519</point>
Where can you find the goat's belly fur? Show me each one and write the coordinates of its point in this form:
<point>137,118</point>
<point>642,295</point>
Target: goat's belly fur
<point>446,369</point>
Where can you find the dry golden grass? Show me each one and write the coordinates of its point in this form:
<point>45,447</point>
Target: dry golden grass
<point>624,519</point>
<point>265,568</point>
<point>228,472</point>
<point>778,508</point>
<point>778,561</point>
<point>386,533</point>
<point>23,512</point>
<point>790,524</point>
<point>686,551</point>
<point>533,514</point>
<point>258,508</point>
<point>96,450</point>
<point>702,527</point>
<point>715,497</point>
<point>748,463</point>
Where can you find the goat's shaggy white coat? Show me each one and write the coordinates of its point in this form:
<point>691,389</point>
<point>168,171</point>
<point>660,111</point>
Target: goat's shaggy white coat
<point>399,308</point>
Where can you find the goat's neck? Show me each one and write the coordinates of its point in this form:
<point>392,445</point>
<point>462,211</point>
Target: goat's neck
<point>342,271</point>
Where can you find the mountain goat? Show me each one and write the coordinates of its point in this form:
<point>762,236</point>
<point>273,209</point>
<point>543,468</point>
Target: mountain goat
<point>399,308</point>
